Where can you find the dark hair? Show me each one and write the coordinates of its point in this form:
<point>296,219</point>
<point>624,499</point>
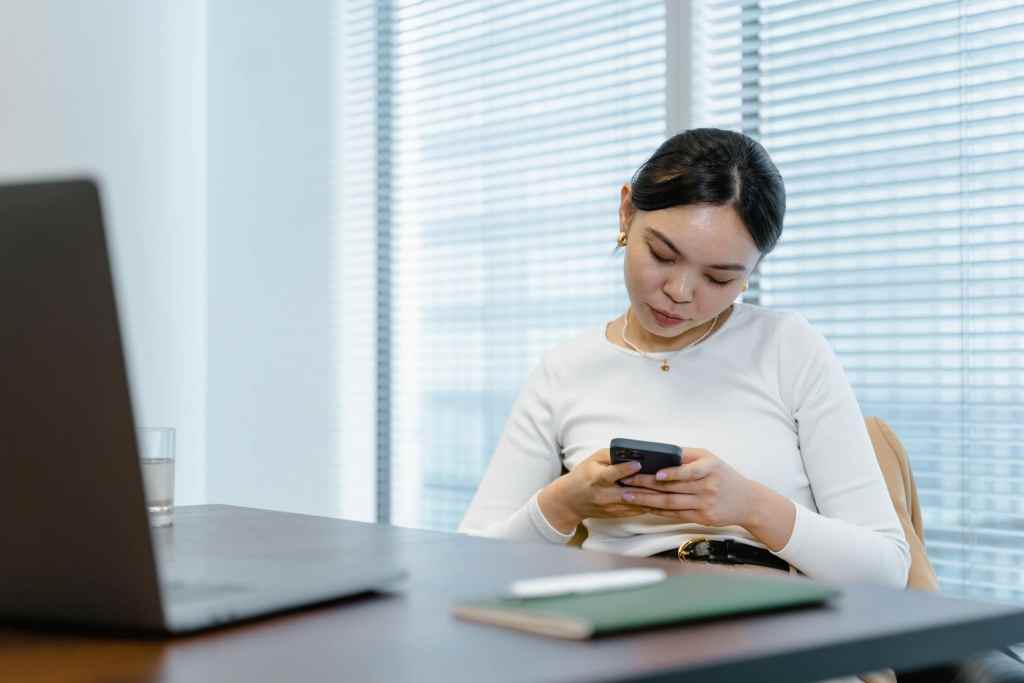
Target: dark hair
<point>717,167</point>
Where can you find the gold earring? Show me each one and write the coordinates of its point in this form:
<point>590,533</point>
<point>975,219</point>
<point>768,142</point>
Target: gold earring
<point>745,285</point>
<point>622,238</point>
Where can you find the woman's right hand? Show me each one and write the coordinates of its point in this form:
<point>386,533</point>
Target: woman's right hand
<point>589,490</point>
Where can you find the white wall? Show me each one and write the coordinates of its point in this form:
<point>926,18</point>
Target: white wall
<point>213,129</point>
<point>273,406</point>
<point>117,88</point>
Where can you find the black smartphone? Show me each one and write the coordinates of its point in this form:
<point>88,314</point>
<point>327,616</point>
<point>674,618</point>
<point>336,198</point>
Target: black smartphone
<point>652,455</point>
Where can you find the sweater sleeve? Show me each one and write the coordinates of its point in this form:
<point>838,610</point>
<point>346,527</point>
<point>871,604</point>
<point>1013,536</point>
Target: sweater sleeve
<point>527,458</point>
<point>855,534</point>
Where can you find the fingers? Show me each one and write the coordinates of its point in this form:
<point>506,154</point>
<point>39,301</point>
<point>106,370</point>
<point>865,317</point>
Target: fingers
<point>626,511</point>
<point>647,481</point>
<point>610,496</point>
<point>679,515</point>
<point>661,501</point>
<point>697,464</point>
<point>613,473</point>
<point>683,473</point>
<point>693,455</point>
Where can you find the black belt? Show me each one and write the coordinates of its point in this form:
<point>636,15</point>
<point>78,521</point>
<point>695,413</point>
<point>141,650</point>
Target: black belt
<point>725,552</point>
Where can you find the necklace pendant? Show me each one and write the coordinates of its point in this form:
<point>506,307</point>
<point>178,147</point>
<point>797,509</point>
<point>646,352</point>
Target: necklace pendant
<point>665,366</point>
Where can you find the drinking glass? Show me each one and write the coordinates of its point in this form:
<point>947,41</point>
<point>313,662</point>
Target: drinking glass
<point>156,451</point>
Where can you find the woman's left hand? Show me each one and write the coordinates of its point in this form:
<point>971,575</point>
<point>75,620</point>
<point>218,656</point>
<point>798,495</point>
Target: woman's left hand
<point>703,490</point>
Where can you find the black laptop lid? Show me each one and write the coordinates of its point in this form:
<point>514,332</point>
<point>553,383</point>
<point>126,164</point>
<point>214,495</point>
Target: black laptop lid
<point>74,536</point>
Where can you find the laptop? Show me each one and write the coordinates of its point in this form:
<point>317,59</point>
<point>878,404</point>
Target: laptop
<point>74,531</point>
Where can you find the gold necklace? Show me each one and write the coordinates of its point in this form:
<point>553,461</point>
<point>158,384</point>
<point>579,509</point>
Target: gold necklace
<point>665,366</point>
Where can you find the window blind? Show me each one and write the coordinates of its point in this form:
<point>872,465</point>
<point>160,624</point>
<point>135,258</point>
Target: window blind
<point>899,129</point>
<point>511,127</point>
<point>361,126</point>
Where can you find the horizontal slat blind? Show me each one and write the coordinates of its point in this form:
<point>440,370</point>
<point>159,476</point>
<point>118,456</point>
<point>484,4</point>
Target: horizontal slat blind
<point>514,125</point>
<point>899,128</point>
<point>356,248</point>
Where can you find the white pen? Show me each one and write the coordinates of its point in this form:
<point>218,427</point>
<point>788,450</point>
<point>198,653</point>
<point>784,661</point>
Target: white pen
<point>590,582</point>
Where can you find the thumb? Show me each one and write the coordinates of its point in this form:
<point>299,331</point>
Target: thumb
<point>602,455</point>
<point>613,473</point>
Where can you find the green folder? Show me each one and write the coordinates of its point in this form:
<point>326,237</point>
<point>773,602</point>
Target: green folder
<point>677,599</point>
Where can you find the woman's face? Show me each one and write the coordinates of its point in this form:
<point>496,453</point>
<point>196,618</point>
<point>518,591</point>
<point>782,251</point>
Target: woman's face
<point>683,266</point>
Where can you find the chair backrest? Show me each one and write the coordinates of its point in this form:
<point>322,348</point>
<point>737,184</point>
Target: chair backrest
<point>892,458</point>
<point>895,466</point>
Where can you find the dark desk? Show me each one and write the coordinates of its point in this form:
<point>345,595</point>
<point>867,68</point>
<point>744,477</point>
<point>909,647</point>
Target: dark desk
<point>410,636</point>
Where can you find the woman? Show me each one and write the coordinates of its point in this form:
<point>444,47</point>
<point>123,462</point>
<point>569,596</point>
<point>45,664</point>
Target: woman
<point>776,454</point>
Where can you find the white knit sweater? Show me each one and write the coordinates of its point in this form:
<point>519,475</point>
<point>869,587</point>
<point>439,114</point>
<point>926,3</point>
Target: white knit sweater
<point>765,393</point>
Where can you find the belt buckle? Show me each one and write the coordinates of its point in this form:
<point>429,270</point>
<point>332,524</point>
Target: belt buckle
<point>691,551</point>
<point>687,551</point>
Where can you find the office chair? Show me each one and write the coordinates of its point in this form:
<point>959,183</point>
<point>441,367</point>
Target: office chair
<point>1003,666</point>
